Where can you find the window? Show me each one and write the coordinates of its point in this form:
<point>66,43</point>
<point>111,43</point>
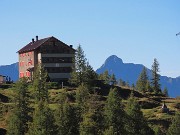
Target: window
<point>27,74</point>
<point>21,74</point>
<point>30,62</point>
<point>22,63</point>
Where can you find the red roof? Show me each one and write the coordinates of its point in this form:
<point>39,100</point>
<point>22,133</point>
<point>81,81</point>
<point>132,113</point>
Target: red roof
<point>32,46</point>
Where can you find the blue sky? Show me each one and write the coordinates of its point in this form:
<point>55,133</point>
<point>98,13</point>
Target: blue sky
<point>135,30</point>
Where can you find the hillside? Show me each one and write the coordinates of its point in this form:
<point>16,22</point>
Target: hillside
<point>10,70</point>
<point>129,72</point>
<point>150,104</point>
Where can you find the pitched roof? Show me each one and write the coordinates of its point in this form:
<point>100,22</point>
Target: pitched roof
<point>32,46</point>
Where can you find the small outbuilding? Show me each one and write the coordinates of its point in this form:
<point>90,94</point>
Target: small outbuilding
<point>2,79</point>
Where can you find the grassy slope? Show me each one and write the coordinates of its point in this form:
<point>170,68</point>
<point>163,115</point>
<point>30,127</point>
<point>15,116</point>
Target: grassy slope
<point>151,106</point>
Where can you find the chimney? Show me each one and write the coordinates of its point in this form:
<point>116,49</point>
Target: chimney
<point>71,46</point>
<point>36,38</point>
<point>32,40</point>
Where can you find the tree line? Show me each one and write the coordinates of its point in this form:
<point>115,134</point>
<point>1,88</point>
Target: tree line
<point>88,115</point>
<point>143,84</point>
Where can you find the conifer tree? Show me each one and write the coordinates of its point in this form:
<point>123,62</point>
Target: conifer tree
<point>165,92</point>
<point>148,87</point>
<point>113,79</point>
<point>122,83</point>
<point>109,131</point>
<point>174,128</point>
<point>133,86</point>
<point>43,120</point>
<point>155,77</point>
<point>39,84</point>
<point>18,122</point>
<point>127,84</point>
<point>67,119</point>
<point>114,113</point>
<point>77,75</point>
<point>157,131</point>
<point>136,124</point>
<point>82,71</point>
<point>92,122</point>
<point>106,77</point>
<point>142,81</point>
<point>82,96</point>
<point>90,75</point>
<point>14,123</point>
<point>89,125</point>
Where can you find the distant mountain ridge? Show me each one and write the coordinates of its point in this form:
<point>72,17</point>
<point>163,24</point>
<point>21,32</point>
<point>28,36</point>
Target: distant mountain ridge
<point>129,72</point>
<point>10,70</point>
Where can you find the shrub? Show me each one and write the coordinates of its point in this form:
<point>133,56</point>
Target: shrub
<point>52,85</point>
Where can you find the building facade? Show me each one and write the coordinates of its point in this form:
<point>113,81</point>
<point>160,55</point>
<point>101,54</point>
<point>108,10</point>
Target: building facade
<point>55,56</point>
<point>2,79</point>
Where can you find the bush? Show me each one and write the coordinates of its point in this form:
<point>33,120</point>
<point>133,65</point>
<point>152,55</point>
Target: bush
<point>6,86</point>
<point>52,85</point>
<point>4,98</point>
<point>148,104</point>
<point>57,97</point>
<point>177,105</point>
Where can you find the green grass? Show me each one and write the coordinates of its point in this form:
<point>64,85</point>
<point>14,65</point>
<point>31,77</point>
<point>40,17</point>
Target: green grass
<point>154,114</point>
<point>53,106</point>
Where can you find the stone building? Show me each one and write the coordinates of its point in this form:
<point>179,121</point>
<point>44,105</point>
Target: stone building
<point>53,54</point>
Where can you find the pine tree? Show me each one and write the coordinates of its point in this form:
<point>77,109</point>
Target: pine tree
<point>155,77</point>
<point>174,128</point>
<point>114,113</point>
<point>14,124</point>
<point>82,96</point>
<point>43,120</point>
<point>92,122</point>
<point>106,77</point>
<point>89,126</point>
<point>127,84</point>
<point>18,122</point>
<point>122,83</point>
<point>158,131</point>
<point>67,120</point>
<point>90,75</point>
<point>109,131</point>
<point>165,92</point>
<point>142,81</point>
<point>136,124</point>
<point>148,87</point>
<point>82,71</point>
<point>77,75</point>
<point>133,86</point>
<point>39,84</point>
<point>113,79</point>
